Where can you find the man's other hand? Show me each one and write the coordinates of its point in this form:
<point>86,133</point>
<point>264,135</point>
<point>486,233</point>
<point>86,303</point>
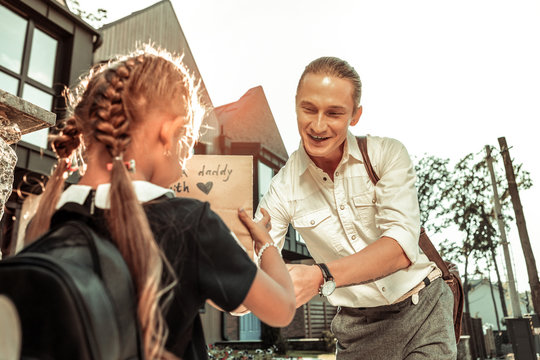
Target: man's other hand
<point>307,280</point>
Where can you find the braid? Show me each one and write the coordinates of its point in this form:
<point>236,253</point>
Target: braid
<point>69,139</point>
<point>111,122</point>
<point>64,144</point>
<point>127,220</point>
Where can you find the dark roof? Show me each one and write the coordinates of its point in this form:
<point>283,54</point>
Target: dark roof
<point>250,120</point>
<point>64,9</point>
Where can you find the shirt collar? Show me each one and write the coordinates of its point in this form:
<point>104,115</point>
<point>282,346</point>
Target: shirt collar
<point>144,190</point>
<point>351,148</point>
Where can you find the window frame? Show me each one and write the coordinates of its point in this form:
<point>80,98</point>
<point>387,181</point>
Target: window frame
<point>62,59</point>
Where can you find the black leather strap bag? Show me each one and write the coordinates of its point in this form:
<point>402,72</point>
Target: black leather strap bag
<point>74,295</point>
<point>449,270</point>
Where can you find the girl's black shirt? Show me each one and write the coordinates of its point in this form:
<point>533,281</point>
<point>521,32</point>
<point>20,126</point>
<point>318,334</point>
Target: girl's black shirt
<point>207,261</point>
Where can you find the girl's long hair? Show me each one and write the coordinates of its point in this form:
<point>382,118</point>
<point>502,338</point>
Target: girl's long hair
<point>107,105</point>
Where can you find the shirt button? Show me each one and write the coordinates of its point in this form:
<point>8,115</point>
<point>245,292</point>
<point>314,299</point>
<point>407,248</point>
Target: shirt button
<point>312,222</point>
<point>383,288</point>
<point>337,173</point>
<point>342,207</point>
<point>353,237</point>
<point>324,178</point>
<point>373,201</point>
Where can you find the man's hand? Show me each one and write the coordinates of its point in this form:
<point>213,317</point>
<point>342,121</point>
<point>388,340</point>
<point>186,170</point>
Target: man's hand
<point>306,280</point>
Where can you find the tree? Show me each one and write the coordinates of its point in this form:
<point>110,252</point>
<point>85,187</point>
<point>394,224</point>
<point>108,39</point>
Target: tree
<point>461,198</point>
<point>96,20</point>
<point>432,181</point>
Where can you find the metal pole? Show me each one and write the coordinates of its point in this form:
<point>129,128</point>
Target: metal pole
<point>514,299</point>
<point>522,227</point>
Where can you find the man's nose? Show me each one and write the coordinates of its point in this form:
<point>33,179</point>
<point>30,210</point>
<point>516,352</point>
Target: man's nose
<point>319,125</point>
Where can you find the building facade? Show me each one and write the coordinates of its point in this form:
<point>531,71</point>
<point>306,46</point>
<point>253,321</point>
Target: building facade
<point>44,47</point>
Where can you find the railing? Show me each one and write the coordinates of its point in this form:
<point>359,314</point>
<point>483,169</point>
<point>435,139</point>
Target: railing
<point>318,318</point>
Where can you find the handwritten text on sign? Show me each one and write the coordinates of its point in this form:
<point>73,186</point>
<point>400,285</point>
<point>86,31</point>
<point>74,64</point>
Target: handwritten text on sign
<point>226,182</point>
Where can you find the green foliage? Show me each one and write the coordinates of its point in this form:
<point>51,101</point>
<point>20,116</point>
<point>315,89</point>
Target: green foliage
<point>433,180</point>
<point>96,20</point>
<point>461,197</point>
<point>330,341</point>
<point>227,353</point>
<point>271,338</point>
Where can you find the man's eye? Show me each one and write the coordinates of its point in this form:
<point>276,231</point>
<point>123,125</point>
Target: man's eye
<point>334,114</point>
<point>310,110</point>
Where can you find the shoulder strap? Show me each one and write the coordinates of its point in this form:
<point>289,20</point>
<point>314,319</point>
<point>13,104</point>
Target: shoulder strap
<point>433,255</point>
<point>362,144</point>
<point>424,242</point>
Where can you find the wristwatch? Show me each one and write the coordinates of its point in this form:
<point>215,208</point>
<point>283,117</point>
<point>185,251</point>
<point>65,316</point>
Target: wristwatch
<point>329,285</point>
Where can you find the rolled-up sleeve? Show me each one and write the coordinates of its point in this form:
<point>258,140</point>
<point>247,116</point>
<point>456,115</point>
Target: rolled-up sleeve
<point>398,215</point>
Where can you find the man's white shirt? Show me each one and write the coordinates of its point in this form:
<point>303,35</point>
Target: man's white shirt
<point>340,218</point>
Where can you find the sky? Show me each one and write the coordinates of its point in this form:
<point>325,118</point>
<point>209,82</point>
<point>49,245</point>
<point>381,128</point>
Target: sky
<point>443,77</point>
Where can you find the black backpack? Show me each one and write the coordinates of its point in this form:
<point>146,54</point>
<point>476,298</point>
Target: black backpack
<point>74,295</point>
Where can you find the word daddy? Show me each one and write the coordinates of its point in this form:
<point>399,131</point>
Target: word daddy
<point>224,172</point>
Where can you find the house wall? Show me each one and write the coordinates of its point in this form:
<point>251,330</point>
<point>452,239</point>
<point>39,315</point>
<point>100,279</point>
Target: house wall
<point>212,324</point>
<point>75,43</point>
<point>482,306</point>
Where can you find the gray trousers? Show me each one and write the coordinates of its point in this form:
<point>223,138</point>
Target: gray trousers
<point>399,331</point>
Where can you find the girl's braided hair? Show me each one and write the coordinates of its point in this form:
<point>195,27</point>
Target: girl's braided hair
<point>107,105</point>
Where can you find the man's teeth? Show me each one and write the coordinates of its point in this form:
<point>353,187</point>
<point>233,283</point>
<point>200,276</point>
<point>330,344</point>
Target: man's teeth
<point>318,137</point>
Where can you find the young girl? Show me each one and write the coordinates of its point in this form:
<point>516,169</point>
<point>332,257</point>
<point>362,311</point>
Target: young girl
<point>137,118</point>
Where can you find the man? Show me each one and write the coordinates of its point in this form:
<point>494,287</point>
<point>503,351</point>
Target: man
<point>392,302</point>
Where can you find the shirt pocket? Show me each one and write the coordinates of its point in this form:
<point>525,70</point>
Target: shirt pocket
<point>311,220</point>
<point>364,208</point>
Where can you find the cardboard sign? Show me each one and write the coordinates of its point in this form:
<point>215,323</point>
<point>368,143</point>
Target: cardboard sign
<point>226,182</point>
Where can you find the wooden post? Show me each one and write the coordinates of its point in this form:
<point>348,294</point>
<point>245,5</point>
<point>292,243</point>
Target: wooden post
<point>522,226</point>
<point>516,309</point>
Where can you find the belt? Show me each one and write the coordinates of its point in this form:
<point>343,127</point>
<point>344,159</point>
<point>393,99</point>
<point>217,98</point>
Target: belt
<point>434,274</point>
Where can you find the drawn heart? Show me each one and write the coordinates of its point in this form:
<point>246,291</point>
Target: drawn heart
<point>205,188</point>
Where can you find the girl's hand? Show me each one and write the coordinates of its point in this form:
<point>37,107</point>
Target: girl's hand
<point>257,230</point>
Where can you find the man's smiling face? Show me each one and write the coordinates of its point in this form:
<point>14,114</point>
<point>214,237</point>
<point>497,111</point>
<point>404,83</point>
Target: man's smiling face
<point>325,109</point>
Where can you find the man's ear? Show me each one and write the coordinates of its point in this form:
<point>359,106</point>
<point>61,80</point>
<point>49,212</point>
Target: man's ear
<point>356,116</point>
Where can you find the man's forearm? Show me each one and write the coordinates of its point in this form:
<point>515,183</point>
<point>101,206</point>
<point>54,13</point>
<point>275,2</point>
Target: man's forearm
<point>379,259</point>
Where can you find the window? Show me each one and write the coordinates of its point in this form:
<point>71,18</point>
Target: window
<point>265,178</point>
<point>27,64</point>
<point>299,238</point>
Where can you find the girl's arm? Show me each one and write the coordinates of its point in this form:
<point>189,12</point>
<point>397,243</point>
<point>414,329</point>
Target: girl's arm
<point>271,296</point>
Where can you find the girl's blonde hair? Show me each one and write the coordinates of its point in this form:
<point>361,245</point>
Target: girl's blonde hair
<point>106,106</point>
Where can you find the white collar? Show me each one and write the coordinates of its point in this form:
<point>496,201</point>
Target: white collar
<point>145,191</point>
<point>350,148</point>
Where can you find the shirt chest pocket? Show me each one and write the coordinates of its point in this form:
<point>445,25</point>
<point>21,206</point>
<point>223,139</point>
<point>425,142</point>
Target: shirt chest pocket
<point>364,208</point>
<point>312,220</point>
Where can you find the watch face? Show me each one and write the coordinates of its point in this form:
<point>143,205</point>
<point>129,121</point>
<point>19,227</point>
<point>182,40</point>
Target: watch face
<point>328,288</point>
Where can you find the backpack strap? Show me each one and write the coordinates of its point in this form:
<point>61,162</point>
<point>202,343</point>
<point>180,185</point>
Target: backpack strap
<point>424,242</point>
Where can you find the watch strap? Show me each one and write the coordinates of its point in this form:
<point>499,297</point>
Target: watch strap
<point>326,272</point>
